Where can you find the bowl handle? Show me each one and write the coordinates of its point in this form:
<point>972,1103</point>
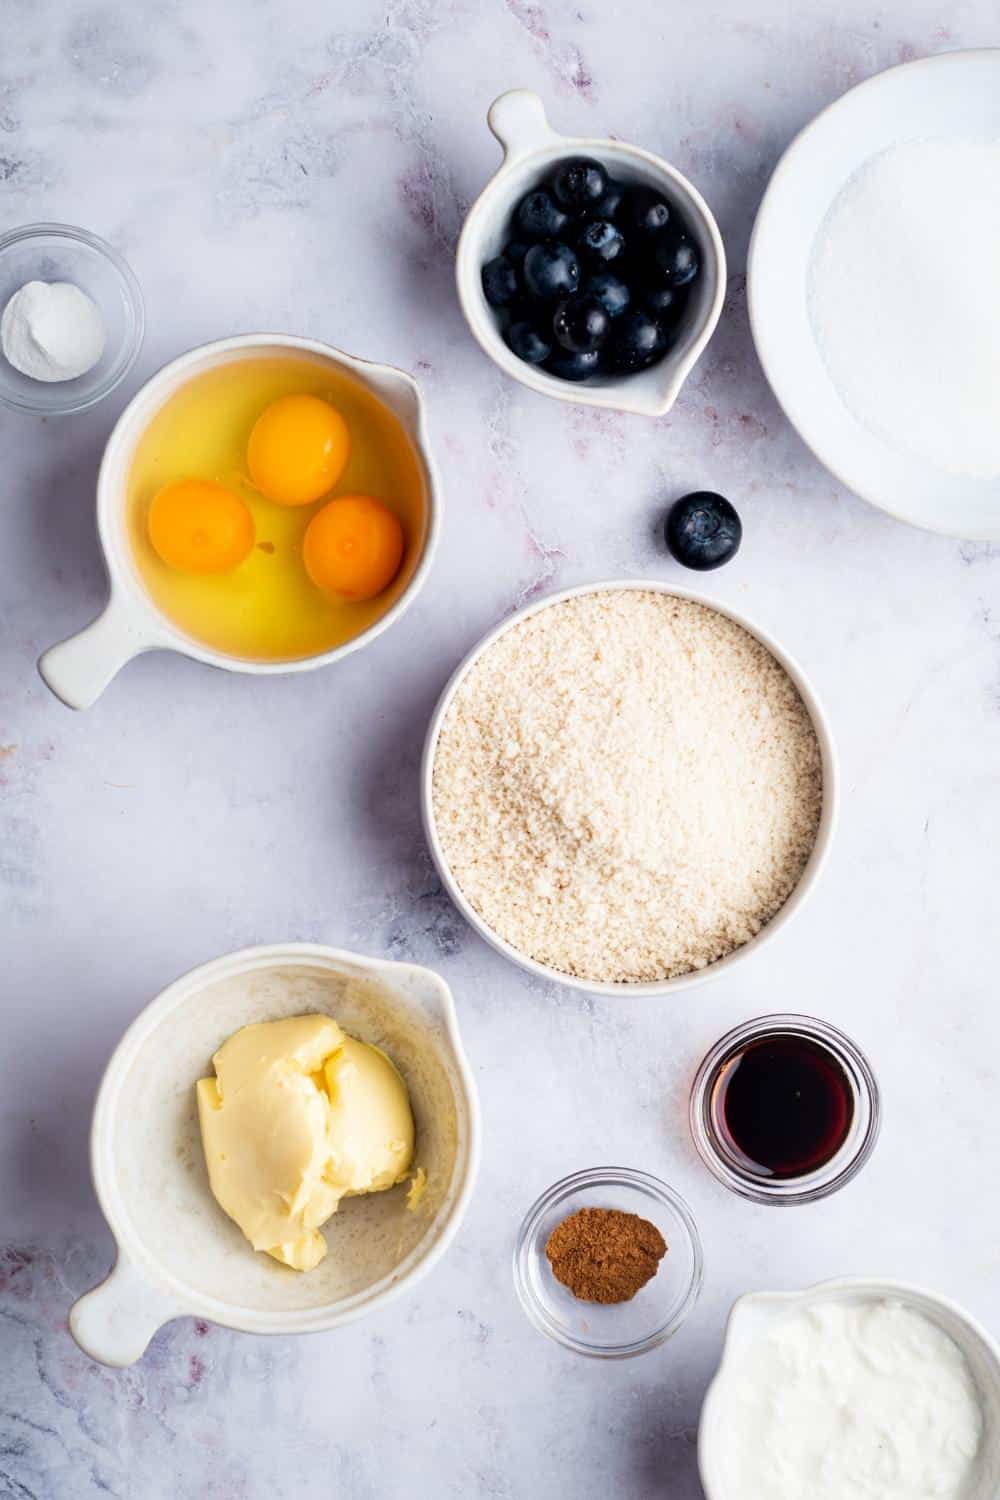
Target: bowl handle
<point>114,1322</point>
<point>518,121</point>
<point>79,669</point>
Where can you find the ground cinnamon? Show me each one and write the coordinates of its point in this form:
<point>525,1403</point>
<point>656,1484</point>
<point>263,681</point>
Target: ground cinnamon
<point>605,1255</point>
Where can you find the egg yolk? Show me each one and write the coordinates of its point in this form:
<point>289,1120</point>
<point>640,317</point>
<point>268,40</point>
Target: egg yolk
<point>298,449</point>
<point>353,547</point>
<point>200,527</point>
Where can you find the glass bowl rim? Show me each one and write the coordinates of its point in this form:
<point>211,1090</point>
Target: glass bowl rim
<point>564,1188</point>
<point>131,345</point>
<point>823,1181</point>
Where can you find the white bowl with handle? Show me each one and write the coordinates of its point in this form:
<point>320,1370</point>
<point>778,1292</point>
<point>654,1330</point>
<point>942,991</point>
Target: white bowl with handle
<point>531,148</point>
<point>80,668</point>
<point>178,1253</point>
<point>754,1315</point>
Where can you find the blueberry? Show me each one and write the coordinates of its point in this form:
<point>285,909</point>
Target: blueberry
<point>528,342</point>
<point>515,251</point>
<point>637,341</point>
<point>499,282</point>
<point>550,270</point>
<point>703,531</point>
<point>581,323</point>
<point>600,242</point>
<point>665,303</point>
<point>647,211</point>
<point>579,183</point>
<point>610,291</point>
<point>572,366</point>
<point>539,216</point>
<point>677,259</point>
<point>609,204</point>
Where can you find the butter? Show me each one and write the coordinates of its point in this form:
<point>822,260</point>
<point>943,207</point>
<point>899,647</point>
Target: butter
<point>298,1116</point>
<point>415,1192</point>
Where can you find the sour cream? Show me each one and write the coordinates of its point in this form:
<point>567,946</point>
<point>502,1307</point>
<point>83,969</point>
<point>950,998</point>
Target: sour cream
<point>852,1400</point>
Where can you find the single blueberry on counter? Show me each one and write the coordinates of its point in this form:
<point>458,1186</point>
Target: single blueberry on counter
<point>647,210</point>
<point>636,342</point>
<point>610,291</point>
<point>550,270</point>
<point>539,216</point>
<point>528,342</point>
<point>600,242</point>
<point>703,530</point>
<point>579,183</point>
<point>572,366</point>
<point>677,259</point>
<point>499,282</point>
<point>581,323</point>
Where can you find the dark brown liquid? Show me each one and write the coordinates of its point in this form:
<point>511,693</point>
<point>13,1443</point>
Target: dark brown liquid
<point>783,1106</point>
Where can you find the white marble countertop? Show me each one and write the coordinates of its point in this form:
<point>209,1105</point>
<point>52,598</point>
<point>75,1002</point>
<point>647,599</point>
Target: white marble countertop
<point>279,166</point>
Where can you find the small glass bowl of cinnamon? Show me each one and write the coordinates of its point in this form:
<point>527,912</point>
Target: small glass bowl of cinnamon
<point>616,1330</point>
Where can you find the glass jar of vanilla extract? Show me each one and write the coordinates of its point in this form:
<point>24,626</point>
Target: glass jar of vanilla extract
<point>785,1109</point>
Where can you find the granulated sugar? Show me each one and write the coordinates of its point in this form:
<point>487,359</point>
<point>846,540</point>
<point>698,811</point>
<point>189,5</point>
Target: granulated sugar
<point>904,297</point>
<point>627,786</point>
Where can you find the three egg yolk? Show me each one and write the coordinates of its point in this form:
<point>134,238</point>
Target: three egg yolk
<point>200,527</point>
<point>298,449</point>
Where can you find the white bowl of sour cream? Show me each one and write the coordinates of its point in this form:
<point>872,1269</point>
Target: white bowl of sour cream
<point>852,1388</point>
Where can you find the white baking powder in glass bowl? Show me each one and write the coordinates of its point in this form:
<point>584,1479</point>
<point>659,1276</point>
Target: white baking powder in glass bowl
<point>52,331</point>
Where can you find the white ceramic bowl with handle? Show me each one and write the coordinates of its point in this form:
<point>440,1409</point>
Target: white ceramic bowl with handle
<point>754,1315</point>
<point>531,148</point>
<point>808,878</point>
<point>79,669</point>
<point>178,1253</point>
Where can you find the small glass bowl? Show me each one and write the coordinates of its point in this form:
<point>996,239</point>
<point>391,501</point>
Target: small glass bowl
<point>622,1329</point>
<point>59,252</point>
<point>731,1169</point>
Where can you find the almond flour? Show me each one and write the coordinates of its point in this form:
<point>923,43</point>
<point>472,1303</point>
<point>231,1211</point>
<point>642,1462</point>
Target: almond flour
<point>627,786</point>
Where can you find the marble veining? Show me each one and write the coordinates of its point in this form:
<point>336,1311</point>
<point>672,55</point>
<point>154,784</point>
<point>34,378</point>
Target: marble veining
<point>306,168</point>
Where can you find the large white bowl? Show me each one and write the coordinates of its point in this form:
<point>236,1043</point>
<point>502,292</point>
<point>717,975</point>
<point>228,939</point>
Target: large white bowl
<point>807,880</point>
<point>79,669</point>
<point>531,147</point>
<point>178,1253</point>
<point>753,1315</point>
<point>954,95</point>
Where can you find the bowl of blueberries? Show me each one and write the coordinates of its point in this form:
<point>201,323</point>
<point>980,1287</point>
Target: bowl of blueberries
<point>590,270</point>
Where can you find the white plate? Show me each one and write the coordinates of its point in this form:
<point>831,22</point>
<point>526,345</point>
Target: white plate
<point>954,96</point>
